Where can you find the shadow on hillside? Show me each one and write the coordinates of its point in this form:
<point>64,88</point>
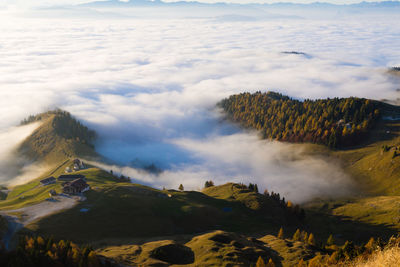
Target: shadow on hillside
<point>384,131</point>
<point>122,213</point>
<point>344,228</point>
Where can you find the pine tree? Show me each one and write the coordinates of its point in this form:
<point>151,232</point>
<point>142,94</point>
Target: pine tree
<point>40,241</point>
<point>330,241</point>
<point>181,188</point>
<point>311,239</point>
<point>333,258</point>
<point>49,243</point>
<point>370,246</point>
<point>208,184</point>
<point>280,233</point>
<point>304,236</point>
<point>270,263</point>
<point>260,262</point>
<point>251,187</point>
<point>297,235</point>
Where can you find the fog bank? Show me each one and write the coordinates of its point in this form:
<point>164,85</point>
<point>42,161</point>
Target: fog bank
<point>279,167</point>
<point>15,169</point>
<point>149,88</point>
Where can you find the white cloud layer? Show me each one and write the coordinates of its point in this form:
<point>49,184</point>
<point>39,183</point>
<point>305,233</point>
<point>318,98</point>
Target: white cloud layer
<point>11,164</point>
<point>149,87</point>
<point>278,167</point>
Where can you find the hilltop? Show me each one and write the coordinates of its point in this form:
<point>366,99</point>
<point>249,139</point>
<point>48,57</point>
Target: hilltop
<point>337,122</point>
<point>58,137</point>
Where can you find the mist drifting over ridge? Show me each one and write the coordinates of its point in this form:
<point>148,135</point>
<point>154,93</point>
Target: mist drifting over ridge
<point>149,88</point>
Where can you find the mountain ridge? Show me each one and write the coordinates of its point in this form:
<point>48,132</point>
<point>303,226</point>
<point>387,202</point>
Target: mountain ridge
<point>59,136</point>
<point>364,4</point>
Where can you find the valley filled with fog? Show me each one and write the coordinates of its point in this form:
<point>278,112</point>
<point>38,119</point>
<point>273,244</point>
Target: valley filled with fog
<point>149,88</point>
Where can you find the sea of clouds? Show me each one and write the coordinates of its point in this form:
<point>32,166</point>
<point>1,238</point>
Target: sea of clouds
<point>149,87</point>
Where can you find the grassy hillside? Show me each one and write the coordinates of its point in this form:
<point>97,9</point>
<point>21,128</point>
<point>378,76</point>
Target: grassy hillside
<point>381,210</point>
<point>252,200</point>
<point>60,136</point>
<point>216,248</point>
<point>33,192</point>
<point>376,166</point>
<point>389,257</point>
<point>118,210</point>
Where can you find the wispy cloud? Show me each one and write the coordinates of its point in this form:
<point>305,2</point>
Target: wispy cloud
<point>13,165</point>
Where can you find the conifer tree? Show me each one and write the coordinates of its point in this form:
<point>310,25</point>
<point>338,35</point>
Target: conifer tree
<point>181,188</point>
<point>370,246</point>
<point>266,193</point>
<point>40,241</point>
<point>305,237</point>
<point>280,233</point>
<point>330,241</point>
<point>270,263</point>
<point>208,184</point>
<point>260,262</point>
<point>311,239</point>
<point>251,187</point>
<point>333,258</point>
<point>297,235</point>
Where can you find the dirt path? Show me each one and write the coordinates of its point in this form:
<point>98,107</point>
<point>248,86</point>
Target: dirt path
<point>29,214</point>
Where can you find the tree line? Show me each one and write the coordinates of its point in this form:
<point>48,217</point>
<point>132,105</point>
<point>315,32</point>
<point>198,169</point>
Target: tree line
<point>336,122</point>
<point>293,209</point>
<point>41,251</point>
<point>332,254</point>
<point>65,125</point>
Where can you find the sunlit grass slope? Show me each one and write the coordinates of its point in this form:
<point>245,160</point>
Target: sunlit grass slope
<point>33,192</point>
<point>216,248</point>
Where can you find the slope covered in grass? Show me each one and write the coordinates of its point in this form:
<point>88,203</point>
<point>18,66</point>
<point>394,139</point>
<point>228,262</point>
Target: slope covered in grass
<point>115,210</point>
<point>376,166</point>
<point>33,192</point>
<point>251,199</point>
<point>216,248</point>
<point>389,257</point>
<point>59,136</point>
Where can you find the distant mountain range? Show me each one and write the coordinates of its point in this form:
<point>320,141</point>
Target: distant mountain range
<point>131,3</point>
